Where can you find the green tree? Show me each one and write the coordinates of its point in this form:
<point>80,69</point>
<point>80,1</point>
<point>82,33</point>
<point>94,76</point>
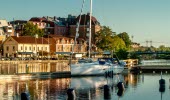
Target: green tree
<point>162,48</point>
<point>104,38</point>
<point>117,44</point>
<point>125,38</point>
<point>107,40</point>
<point>31,30</point>
<point>122,54</point>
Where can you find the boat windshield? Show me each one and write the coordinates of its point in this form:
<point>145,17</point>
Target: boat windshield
<point>109,60</point>
<point>83,60</point>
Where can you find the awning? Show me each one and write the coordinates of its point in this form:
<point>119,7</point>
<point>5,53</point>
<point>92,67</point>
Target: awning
<point>94,53</point>
<point>69,53</point>
<point>62,52</point>
<point>25,53</point>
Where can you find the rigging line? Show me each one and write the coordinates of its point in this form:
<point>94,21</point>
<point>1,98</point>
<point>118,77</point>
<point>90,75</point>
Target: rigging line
<point>77,30</point>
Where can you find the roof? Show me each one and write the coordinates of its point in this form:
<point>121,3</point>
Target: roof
<point>37,19</point>
<point>30,40</point>
<point>59,23</point>
<point>85,19</point>
<point>18,22</point>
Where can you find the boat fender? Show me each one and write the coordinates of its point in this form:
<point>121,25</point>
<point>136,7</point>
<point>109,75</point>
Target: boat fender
<point>120,86</point>
<point>162,88</point>
<point>25,96</point>
<point>107,94</point>
<point>71,94</point>
<point>162,82</point>
<point>120,93</point>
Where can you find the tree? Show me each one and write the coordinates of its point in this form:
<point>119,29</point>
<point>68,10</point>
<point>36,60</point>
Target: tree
<point>104,38</point>
<point>31,30</point>
<point>125,38</point>
<point>107,40</point>
<point>122,54</point>
<point>118,44</point>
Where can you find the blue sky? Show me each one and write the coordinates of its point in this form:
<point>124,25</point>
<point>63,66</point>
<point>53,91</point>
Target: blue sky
<point>144,19</point>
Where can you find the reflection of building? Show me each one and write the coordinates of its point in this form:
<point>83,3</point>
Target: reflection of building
<point>35,67</point>
<point>38,89</point>
<point>133,79</point>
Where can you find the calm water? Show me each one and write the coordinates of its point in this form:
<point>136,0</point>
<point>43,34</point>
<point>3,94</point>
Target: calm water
<point>137,87</point>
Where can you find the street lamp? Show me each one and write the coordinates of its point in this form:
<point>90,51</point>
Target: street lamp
<point>48,45</point>
<point>42,48</point>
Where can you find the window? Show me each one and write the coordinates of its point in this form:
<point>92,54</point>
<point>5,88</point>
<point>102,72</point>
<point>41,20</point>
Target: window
<point>41,48</point>
<point>7,48</point>
<point>25,48</point>
<point>30,47</point>
<point>38,48</point>
<point>45,48</point>
<point>21,47</point>
<point>13,48</point>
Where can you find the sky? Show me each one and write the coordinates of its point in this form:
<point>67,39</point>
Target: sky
<point>145,20</point>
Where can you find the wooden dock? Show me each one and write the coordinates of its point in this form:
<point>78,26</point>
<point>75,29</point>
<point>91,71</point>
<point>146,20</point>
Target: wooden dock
<point>151,68</point>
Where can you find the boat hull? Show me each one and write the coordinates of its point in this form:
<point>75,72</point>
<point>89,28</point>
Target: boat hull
<point>93,69</point>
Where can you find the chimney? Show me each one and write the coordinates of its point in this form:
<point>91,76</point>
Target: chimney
<point>47,17</point>
<point>54,18</point>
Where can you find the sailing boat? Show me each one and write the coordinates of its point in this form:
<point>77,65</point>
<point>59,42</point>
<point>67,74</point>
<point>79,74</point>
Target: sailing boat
<point>99,67</point>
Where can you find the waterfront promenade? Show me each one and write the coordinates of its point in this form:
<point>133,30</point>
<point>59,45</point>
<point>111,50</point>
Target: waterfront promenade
<point>34,69</point>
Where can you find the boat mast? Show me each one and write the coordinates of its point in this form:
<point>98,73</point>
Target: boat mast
<point>77,30</point>
<point>90,27</point>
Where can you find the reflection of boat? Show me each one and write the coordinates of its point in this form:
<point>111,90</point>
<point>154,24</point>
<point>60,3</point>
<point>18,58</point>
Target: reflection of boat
<point>94,82</point>
<point>99,67</point>
<point>86,87</point>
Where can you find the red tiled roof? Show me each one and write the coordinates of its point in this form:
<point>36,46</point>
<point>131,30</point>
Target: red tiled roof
<point>30,40</point>
<point>36,19</point>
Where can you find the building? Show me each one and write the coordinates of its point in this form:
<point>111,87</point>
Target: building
<point>60,28</point>
<point>84,29</point>
<point>61,45</point>
<point>39,22</point>
<point>18,26</point>
<point>6,30</point>
<point>24,46</point>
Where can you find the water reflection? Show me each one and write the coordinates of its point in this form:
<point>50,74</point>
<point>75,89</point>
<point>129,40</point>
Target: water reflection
<point>137,87</point>
<point>50,89</point>
<point>90,88</point>
<point>32,67</point>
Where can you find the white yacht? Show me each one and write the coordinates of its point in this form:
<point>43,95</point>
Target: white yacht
<point>101,66</point>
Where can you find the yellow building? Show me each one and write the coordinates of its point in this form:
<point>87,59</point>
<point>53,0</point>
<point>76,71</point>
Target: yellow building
<point>24,46</point>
